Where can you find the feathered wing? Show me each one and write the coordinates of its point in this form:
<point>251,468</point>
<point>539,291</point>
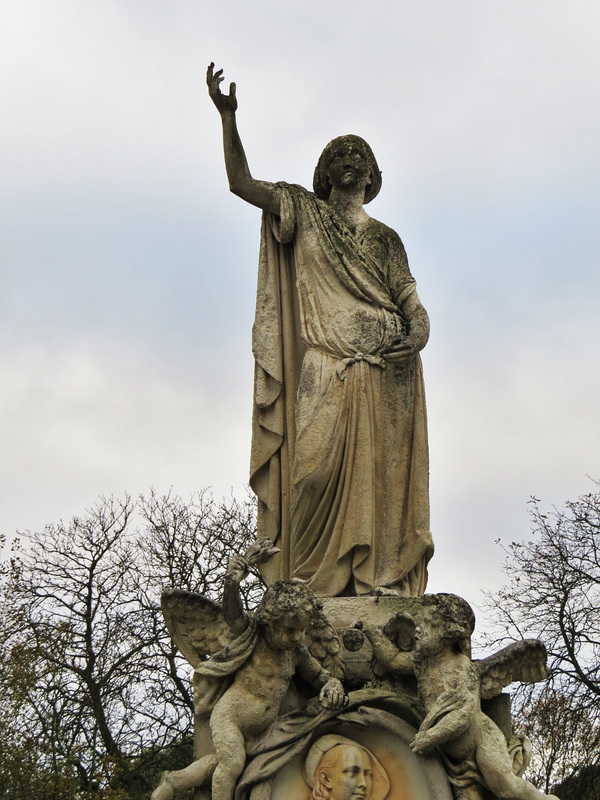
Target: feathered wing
<point>324,645</point>
<point>523,661</point>
<point>196,624</point>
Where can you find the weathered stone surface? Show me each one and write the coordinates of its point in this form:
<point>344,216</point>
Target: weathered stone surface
<point>339,452</point>
<point>241,688</point>
<point>474,749</point>
<point>373,694</point>
<point>345,612</point>
<point>398,773</point>
<point>260,723</point>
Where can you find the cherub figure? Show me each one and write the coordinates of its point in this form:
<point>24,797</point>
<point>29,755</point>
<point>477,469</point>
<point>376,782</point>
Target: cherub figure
<point>451,687</point>
<point>392,648</point>
<point>253,657</point>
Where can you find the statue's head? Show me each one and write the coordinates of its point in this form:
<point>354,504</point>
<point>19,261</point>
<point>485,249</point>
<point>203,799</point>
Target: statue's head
<point>286,610</point>
<point>337,768</point>
<point>448,618</point>
<point>400,629</point>
<point>351,146</point>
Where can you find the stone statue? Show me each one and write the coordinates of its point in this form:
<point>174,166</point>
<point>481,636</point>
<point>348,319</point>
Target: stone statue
<point>340,467</point>
<point>243,684</point>
<point>339,453</point>
<point>451,686</point>
<point>337,768</point>
<point>413,727</point>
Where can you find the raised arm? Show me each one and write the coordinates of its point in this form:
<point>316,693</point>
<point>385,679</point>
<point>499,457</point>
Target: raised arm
<point>260,193</point>
<point>233,609</point>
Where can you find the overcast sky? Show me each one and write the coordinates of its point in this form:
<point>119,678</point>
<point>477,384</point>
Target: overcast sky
<point>128,270</point>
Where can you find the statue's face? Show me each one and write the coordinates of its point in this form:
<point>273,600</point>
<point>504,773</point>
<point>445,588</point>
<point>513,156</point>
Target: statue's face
<point>351,777</point>
<point>348,165</point>
<point>429,635</point>
<point>287,632</point>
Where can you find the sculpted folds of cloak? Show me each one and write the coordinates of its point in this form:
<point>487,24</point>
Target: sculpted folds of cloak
<point>339,453</point>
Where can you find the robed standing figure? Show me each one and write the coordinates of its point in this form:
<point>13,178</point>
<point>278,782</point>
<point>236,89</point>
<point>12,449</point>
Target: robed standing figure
<point>339,447</point>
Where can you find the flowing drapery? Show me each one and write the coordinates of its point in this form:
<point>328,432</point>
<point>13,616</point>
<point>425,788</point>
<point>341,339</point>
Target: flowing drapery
<point>339,455</point>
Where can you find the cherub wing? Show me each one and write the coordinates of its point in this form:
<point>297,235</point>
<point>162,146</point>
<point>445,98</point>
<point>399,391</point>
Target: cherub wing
<point>196,624</point>
<point>521,661</point>
<point>324,645</point>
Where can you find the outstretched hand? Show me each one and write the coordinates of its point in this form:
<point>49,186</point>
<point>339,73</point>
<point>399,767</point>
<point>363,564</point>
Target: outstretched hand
<point>224,102</point>
<point>333,695</point>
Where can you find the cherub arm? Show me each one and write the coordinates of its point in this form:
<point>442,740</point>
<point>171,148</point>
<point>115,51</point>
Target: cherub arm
<point>233,608</point>
<point>448,728</point>
<point>259,193</point>
<point>387,654</point>
<point>450,715</point>
<point>332,694</point>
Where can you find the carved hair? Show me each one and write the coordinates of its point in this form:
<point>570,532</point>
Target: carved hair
<point>321,184</point>
<point>287,599</point>
<point>328,762</point>
<point>455,616</point>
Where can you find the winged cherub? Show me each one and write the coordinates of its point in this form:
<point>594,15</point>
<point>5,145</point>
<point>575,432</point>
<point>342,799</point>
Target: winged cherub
<point>451,687</point>
<point>253,657</point>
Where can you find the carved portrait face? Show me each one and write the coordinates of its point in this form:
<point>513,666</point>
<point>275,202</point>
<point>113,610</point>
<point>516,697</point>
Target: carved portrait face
<point>348,774</point>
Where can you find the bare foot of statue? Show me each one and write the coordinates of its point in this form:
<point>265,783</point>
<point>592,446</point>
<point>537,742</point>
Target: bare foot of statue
<point>164,790</point>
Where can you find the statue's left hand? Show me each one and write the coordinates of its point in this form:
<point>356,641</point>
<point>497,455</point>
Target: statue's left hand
<point>401,350</point>
<point>333,695</point>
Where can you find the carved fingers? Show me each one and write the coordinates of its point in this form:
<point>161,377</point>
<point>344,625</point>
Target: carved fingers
<point>421,745</point>
<point>238,568</point>
<point>260,551</point>
<point>224,102</point>
<point>333,695</point>
<point>400,351</point>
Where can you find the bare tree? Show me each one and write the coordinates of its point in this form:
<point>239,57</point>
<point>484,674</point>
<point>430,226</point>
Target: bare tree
<point>101,687</point>
<point>553,593</point>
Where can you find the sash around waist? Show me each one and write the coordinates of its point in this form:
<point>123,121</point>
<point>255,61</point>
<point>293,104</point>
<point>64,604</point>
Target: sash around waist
<point>344,361</point>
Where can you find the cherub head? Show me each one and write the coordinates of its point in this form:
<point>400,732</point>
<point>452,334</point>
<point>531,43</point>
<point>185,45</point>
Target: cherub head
<point>446,618</point>
<point>287,609</point>
<point>337,768</point>
<point>353,152</point>
<point>400,630</point>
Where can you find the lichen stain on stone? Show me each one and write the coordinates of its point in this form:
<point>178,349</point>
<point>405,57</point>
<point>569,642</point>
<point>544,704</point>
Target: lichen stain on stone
<point>366,329</point>
<point>375,240</point>
<point>308,381</point>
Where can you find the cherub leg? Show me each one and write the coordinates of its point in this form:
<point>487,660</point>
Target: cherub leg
<point>231,755</point>
<point>196,774</point>
<point>496,766</point>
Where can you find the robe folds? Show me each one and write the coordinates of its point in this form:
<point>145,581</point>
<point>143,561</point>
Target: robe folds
<point>339,457</point>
